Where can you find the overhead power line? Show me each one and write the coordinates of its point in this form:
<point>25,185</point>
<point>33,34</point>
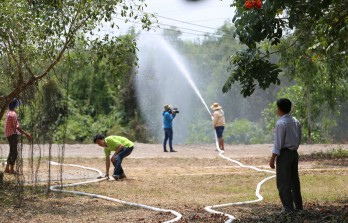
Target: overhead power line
<point>200,32</point>
<point>193,24</point>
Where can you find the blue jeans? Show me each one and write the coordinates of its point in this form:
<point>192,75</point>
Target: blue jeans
<point>168,134</point>
<point>118,160</point>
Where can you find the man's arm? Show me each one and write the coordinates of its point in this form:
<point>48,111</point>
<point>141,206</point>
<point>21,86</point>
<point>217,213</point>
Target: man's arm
<point>107,165</point>
<point>169,117</point>
<point>215,118</point>
<point>278,142</point>
<point>272,160</point>
<point>29,137</point>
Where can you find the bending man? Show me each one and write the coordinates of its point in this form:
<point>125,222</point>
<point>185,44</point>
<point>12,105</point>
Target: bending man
<point>122,147</point>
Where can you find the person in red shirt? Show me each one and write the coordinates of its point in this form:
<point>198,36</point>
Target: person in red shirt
<point>12,131</point>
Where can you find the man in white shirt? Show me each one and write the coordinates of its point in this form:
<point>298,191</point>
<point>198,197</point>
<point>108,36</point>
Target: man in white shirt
<point>287,138</point>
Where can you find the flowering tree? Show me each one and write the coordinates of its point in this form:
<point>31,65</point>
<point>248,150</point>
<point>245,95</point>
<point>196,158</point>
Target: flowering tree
<point>319,28</point>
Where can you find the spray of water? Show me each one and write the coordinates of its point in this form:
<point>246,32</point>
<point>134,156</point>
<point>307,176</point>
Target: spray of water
<point>165,77</point>
<point>177,60</point>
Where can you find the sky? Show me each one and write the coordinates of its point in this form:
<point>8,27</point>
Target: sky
<point>193,18</point>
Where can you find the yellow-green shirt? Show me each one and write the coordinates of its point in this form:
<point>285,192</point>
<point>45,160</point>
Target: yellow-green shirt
<point>113,142</point>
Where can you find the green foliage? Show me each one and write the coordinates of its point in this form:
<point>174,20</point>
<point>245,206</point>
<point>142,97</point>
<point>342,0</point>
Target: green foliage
<point>322,118</point>
<point>250,66</point>
<point>35,36</point>
<point>320,29</point>
<point>240,131</point>
<point>201,132</point>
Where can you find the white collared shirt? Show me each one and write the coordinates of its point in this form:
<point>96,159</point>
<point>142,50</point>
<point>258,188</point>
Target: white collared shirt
<point>287,134</point>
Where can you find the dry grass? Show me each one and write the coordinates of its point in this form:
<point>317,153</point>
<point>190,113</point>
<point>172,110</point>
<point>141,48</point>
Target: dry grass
<point>185,185</point>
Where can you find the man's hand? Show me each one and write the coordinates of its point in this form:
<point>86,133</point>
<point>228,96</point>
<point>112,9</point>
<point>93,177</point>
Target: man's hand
<point>272,161</point>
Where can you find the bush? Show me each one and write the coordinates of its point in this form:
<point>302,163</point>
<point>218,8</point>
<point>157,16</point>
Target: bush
<point>240,131</point>
<point>243,131</point>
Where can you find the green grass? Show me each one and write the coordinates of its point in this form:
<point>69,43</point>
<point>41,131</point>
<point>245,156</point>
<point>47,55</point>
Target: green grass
<point>338,153</point>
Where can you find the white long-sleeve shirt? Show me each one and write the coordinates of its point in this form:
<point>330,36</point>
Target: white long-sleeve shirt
<point>287,134</point>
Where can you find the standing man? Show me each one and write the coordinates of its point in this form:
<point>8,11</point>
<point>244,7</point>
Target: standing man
<point>122,147</point>
<point>12,131</point>
<point>219,123</point>
<point>168,117</point>
<point>287,138</point>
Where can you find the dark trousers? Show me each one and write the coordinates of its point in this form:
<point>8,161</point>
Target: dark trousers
<point>119,158</point>
<point>288,181</point>
<point>168,134</point>
<point>12,156</point>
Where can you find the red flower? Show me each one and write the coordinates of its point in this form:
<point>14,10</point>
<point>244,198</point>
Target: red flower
<point>258,4</point>
<point>249,4</point>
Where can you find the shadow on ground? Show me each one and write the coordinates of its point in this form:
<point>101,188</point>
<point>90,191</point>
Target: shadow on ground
<point>313,213</point>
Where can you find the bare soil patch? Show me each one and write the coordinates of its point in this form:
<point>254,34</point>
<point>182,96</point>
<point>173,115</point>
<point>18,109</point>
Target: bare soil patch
<point>186,182</point>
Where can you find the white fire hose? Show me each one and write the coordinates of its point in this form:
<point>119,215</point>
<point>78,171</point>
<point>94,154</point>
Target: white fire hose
<point>257,192</point>
<point>57,189</point>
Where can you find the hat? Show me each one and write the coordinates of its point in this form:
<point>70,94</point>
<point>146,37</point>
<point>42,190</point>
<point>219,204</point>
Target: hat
<point>167,107</point>
<point>215,106</point>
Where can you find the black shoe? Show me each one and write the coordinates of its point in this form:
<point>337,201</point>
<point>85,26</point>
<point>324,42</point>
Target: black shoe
<point>286,212</point>
<point>123,176</point>
<point>119,177</point>
<point>116,177</point>
<point>173,151</point>
<point>165,151</point>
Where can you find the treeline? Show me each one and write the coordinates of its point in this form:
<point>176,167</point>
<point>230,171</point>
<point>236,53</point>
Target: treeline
<point>320,106</point>
<point>86,94</point>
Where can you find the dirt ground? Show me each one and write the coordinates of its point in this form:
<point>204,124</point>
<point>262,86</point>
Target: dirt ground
<point>155,150</point>
<point>186,182</point>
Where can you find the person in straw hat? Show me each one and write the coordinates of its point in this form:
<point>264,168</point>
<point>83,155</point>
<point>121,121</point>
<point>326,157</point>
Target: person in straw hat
<point>219,123</point>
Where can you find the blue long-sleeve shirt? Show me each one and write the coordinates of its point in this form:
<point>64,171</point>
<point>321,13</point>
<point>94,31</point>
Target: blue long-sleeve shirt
<point>287,134</point>
<point>168,120</point>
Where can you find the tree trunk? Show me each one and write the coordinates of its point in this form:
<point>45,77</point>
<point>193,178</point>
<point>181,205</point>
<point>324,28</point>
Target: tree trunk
<point>1,179</point>
<point>309,117</point>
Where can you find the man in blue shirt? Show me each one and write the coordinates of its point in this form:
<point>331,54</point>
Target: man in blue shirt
<point>287,138</point>
<point>168,117</point>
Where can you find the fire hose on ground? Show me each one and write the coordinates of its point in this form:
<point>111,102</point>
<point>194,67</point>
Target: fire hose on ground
<point>58,188</point>
<point>210,209</point>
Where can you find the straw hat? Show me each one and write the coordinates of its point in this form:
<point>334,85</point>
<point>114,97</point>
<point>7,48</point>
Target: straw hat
<point>215,106</point>
<point>167,107</point>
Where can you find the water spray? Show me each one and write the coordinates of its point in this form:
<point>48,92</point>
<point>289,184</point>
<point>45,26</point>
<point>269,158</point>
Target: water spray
<point>176,57</point>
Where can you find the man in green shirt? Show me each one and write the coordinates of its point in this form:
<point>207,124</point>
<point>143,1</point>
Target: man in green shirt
<point>122,147</point>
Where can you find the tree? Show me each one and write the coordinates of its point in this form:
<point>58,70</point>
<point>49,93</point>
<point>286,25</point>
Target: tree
<point>321,26</point>
<point>35,35</point>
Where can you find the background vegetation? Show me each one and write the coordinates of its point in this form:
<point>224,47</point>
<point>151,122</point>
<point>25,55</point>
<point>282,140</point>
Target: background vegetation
<point>84,85</point>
